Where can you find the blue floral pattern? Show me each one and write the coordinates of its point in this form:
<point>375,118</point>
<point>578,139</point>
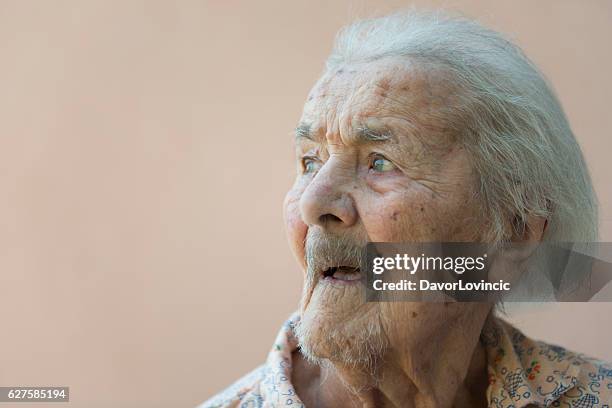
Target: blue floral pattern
<point>526,373</point>
<point>522,373</point>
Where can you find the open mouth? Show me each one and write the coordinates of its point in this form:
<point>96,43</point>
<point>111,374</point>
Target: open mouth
<point>342,273</point>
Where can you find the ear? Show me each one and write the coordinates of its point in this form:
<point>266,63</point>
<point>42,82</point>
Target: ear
<point>531,231</point>
<point>526,236</point>
<point>509,264</point>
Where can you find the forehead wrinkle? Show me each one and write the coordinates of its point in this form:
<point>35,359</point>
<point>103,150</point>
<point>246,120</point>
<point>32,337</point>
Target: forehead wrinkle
<point>407,95</point>
<point>422,114</point>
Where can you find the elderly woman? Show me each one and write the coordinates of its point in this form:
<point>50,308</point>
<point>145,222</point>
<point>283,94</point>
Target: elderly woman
<point>424,128</point>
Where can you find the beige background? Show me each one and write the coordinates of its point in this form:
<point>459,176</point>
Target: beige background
<point>145,154</point>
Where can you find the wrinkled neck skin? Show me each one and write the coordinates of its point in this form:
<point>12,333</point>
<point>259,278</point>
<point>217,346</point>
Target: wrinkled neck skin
<point>449,370</point>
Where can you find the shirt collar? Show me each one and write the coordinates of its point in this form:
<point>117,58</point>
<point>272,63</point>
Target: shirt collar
<point>523,371</point>
<point>276,382</point>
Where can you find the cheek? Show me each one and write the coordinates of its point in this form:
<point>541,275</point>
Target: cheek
<point>422,216</point>
<point>295,228</point>
<point>397,217</point>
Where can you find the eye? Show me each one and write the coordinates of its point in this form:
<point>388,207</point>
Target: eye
<point>380,164</point>
<point>309,165</point>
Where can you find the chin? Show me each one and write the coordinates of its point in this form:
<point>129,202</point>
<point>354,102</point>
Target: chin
<point>353,340</point>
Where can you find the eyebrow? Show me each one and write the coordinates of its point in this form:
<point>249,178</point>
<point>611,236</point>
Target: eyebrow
<point>368,134</point>
<point>362,133</point>
<point>303,130</point>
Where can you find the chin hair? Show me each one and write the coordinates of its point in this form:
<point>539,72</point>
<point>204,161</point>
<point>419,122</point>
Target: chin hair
<point>359,343</point>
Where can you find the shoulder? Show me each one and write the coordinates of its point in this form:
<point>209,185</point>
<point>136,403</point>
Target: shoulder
<point>593,386</point>
<point>525,371</point>
<point>575,379</point>
<point>588,381</point>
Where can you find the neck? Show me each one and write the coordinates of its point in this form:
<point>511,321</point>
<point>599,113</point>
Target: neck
<point>447,370</point>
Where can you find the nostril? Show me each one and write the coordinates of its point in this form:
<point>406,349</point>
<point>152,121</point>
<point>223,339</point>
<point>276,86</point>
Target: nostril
<point>329,218</point>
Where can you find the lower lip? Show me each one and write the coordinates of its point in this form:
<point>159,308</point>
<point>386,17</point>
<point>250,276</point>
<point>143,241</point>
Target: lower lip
<point>341,282</point>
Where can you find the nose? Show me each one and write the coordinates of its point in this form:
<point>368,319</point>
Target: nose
<point>325,202</point>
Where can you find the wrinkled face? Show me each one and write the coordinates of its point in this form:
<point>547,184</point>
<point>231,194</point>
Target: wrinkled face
<point>376,161</point>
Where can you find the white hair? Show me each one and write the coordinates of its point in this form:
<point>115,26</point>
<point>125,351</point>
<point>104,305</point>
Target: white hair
<point>524,153</point>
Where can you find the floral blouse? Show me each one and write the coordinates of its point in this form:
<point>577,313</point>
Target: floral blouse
<point>522,373</point>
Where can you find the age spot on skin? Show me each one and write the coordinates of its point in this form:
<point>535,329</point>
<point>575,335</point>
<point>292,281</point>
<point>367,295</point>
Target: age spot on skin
<point>414,314</point>
<point>384,84</point>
